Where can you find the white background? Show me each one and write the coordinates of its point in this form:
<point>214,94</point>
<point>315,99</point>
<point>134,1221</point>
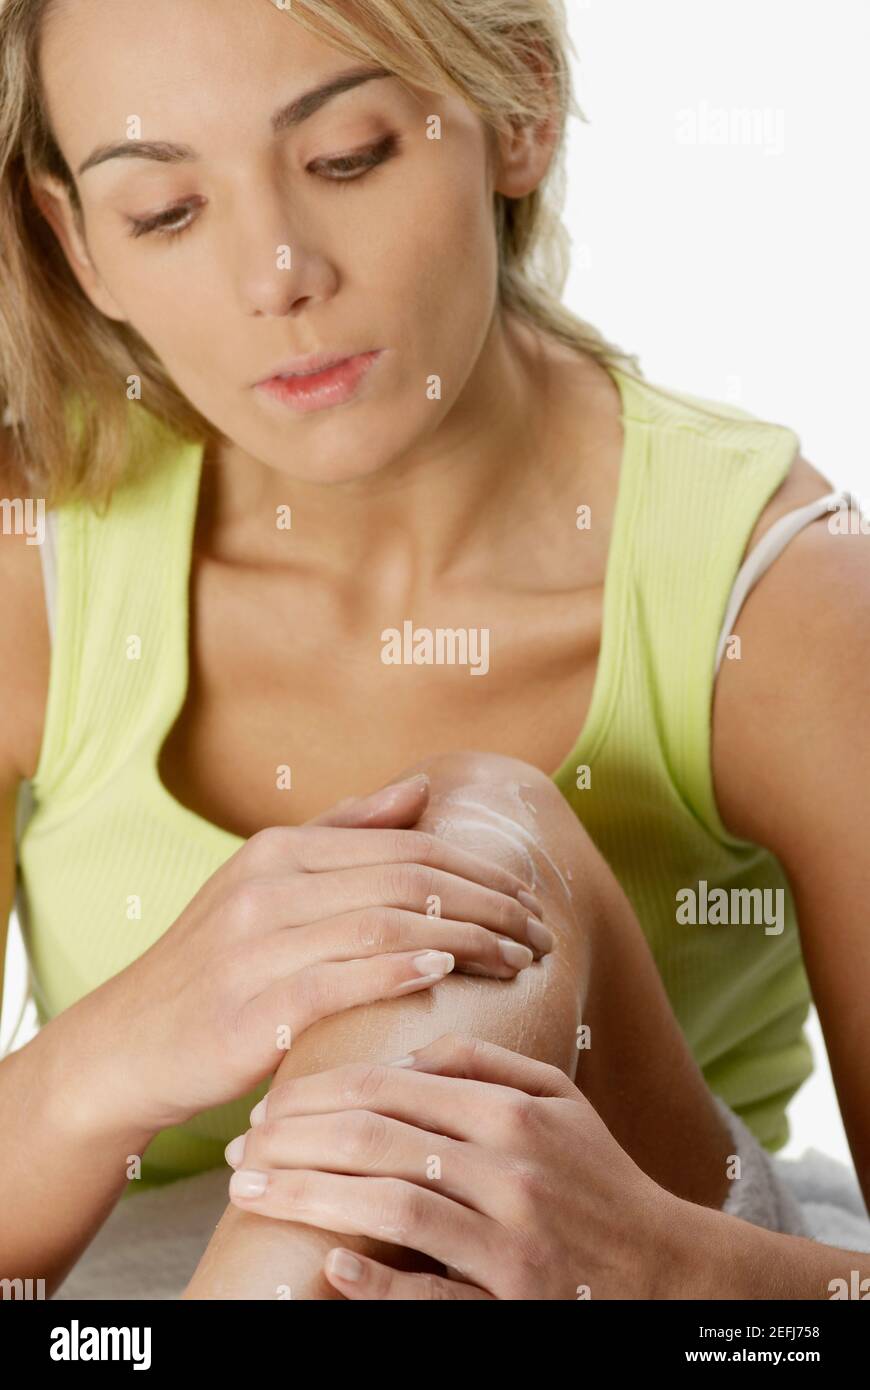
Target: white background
<point>736,271</point>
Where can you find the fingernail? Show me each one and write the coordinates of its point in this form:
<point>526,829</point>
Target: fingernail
<point>235,1151</point>
<point>394,787</point>
<point>530,902</point>
<point>258,1114</point>
<point>540,936</point>
<point>247,1183</point>
<point>514,954</point>
<point>407,1061</point>
<point>434,963</point>
<point>344,1265</point>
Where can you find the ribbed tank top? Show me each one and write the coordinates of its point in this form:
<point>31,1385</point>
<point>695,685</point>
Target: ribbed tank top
<point>102,828</point>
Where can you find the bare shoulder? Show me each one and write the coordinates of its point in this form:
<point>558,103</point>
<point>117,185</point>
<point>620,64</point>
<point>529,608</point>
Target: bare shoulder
<point>802,484</point>
<point>804,642</point>
<point>24,638</point>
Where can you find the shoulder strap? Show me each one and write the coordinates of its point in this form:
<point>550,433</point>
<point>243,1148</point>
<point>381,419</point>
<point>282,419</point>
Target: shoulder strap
<point>708,469</point>
<point>772,544</point>
<point>112,584</point>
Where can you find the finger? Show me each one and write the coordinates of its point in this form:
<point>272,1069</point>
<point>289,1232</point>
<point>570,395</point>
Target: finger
<point>384,930</point>
<point>312,897</point>
<point>397,804</point>
<point>317,849</point>
<point>387,1209</point>
<point>358,1277</point>
<point>458,1055</point>
<point>362,1143</point>
<point>474,1112</point>
<point>289,1006</point>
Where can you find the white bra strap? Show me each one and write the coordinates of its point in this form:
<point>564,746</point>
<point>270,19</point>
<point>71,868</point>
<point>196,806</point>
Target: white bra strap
<point>772,543</point>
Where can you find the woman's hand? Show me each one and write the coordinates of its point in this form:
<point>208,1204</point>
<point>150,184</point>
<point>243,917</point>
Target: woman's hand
<point>487,1161</point>
<point>301,923</point>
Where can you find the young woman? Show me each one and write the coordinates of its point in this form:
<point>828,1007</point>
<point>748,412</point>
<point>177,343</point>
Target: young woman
<point>334,485</point>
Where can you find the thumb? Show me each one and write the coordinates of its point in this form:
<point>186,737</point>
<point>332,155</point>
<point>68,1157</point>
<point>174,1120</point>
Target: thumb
<point>399,805</point>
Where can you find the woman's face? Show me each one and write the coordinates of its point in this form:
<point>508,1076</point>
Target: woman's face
<point>345,232</point>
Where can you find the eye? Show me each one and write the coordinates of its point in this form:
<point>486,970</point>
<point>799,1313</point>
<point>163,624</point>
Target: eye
<point>171,222</point>
<point>174,221</point>
<point>346,168</point>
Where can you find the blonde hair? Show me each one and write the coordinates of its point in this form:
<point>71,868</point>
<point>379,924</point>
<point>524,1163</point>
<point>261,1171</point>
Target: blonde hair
<point>56,348</point>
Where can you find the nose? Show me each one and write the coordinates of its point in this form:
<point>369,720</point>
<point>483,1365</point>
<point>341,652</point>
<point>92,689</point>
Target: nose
<point>279,266</point>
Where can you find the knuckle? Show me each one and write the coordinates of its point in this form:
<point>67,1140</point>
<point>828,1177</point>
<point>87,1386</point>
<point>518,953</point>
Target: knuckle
<point>378,928</point>
<point>403,1210</point>
<point>400,883</point>
<point>280,1098</point>
<point>519,1115</point>
<point>462,1050</point>
<point>526,1189</point>
<point>361,1083</point>
<point>245,904</point>
<point>420,846</point>
<point>298,1187</point>
<point>362,1136</point>
<point>397,843</point>
<point>483,945</point>
<point>524,1277</point>
<point>435,1289</point>
<point>560,1087</point>
<point>511,914</point>
<point>260,1145</point>
<point>310,993</point>
<point>267,845</point>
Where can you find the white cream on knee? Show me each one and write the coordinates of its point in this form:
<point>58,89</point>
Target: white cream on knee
<point>486,826</point>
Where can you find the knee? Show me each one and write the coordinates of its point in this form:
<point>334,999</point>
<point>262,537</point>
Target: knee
<point>507,785</point>
<point>503,806</point>
<point>494,772</point>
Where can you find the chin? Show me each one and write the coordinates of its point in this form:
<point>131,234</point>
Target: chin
<point>348,455</point>
<point>340,467</point>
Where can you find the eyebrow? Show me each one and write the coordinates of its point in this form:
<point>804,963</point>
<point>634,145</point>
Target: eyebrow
<point>293,114</point>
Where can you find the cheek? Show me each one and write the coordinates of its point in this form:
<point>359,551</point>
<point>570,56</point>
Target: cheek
<point>176,312</point>
<point>430,246</point>
<point>157,294</point>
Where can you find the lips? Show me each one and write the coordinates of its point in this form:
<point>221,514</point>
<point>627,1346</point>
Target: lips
<point>319,381</point>
<point>307,366</point>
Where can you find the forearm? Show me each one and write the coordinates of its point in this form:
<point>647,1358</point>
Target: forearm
<point>63,1159</point>
<point>721,1256</point>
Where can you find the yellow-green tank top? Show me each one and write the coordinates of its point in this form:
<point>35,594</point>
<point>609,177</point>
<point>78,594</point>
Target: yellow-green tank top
<point>694,477</point>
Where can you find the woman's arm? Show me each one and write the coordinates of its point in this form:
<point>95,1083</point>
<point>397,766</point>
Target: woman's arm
<point>792,772</point>
<point>57,1135</point>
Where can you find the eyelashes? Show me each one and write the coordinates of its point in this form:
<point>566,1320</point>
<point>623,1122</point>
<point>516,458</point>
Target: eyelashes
<point>168,223</point>
<point>174,221</point>
<point>347,168</point>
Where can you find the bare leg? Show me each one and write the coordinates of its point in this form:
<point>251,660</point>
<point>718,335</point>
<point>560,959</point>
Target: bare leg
<point>638,1071</point>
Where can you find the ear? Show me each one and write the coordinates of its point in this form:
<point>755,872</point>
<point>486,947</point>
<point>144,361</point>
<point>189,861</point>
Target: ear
<point>53,200</point>
<point>524,151</point>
